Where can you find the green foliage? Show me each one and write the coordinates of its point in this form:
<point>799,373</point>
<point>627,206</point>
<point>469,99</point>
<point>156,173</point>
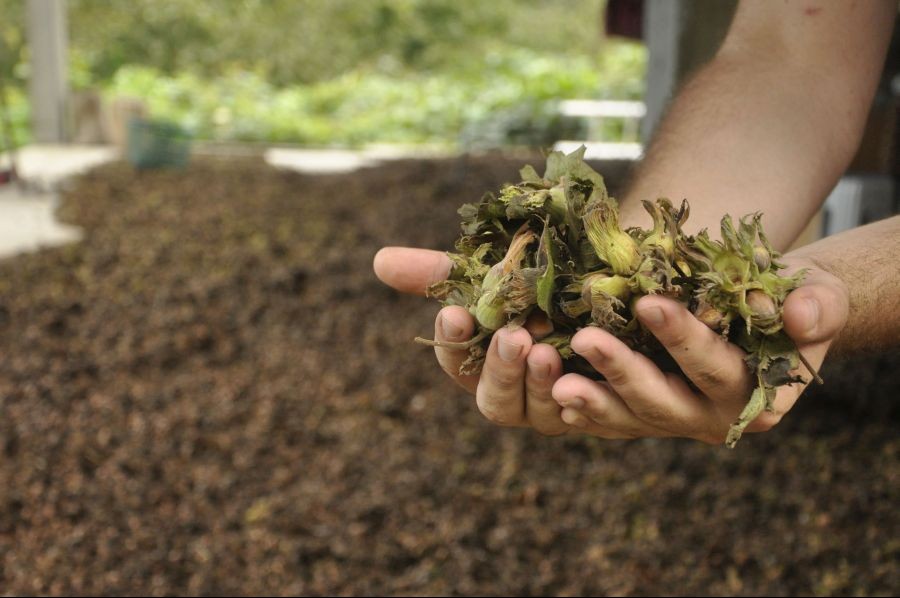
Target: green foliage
<point>12,42</point>
<point>13,72</point>
<point>364,106</point>
<point>343,72</point>
<point>304,41</point>
<point>19,116</point>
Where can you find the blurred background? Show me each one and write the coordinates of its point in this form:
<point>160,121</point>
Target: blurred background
<point>334,74</point>
<point>204,390</point>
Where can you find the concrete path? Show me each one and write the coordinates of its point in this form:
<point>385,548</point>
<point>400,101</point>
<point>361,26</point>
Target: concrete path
<point>28,223</point>
<point>27,219</point>
<point>27,216</point>
<point>46,166</point>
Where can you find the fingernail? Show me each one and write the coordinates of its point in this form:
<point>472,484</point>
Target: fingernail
<point>540,372</point>
<point>653,316</point>
<point>451,331</point>
<point>508,350</point>
<point>813,318</point>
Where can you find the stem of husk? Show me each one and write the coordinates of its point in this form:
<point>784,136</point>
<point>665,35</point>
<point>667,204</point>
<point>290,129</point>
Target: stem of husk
<point>454,345</point>
<point>811,369</point>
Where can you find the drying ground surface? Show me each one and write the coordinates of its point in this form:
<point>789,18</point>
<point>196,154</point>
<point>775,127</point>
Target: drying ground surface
<point>211,394</point>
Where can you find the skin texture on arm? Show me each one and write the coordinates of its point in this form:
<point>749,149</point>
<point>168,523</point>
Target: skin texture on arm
<point>866,260</point>
<point>772,121</point>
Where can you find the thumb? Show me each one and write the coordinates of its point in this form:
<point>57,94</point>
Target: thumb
<point>818,310</point>
<point>410,270</point>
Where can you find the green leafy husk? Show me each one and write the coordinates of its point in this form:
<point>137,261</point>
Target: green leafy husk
<point>553,244</point>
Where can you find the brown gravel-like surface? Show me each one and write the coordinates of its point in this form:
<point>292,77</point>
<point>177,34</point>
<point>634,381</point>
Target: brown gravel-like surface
<point>213,395</point>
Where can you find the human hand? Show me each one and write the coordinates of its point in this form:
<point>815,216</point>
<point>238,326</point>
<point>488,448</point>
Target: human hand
<point>637,399</point>
<point>514,387</point>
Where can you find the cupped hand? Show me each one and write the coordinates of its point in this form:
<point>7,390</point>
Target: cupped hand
<point>515,384</point>
<point>637,399</point>
<point>521,383</point>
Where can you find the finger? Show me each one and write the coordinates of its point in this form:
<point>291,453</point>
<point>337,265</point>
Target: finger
<point>712,363</point>
<point>814,316</point>
<point>454,324</point>
<point>501,389</point>
<point>602,405</point>
<point>411,270</point>
<point>646,391</point>
<point>580,424</point>
<point>543,369</point>
<point>817,311</point>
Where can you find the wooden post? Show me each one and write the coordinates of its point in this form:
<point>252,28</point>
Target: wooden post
<point>49,85</point>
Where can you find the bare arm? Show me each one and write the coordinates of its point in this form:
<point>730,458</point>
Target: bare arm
<point>772,122</point>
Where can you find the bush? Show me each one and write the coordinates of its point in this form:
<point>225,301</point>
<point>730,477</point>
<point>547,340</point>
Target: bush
<point>19,117</point>
<point>343,72</point>
<point>515,89</point>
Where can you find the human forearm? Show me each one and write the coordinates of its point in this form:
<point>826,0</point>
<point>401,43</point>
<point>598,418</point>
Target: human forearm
<point>735,142</point>
<point>865,259</point>
<point>771,123</point>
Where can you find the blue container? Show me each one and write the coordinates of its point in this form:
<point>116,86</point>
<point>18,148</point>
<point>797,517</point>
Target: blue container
<point>157,144</point>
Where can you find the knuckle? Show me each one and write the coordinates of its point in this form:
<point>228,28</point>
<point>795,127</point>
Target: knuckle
<point>707,379</point>
<point>710,376</point>
<point>675,339</point>
<point>497,415</point>
<point>502,377</point>
<point>652,413</point>
<point>502,409</point>
<point>616,376</point>
<point>540,398</point>
<point>597,410</point>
